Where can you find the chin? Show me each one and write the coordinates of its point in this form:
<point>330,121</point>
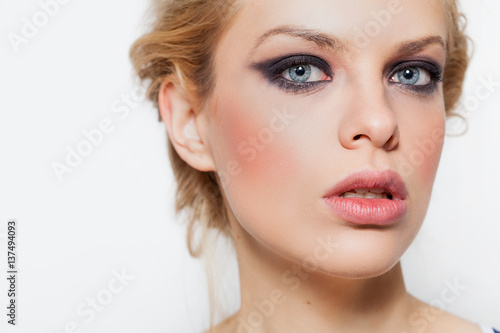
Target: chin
<point>360,254</point>
<point>361,268</point>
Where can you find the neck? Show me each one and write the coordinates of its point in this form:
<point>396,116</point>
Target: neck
<point>278,296</point>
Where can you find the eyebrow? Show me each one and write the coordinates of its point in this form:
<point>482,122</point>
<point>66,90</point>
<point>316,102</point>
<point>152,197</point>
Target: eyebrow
<point>321,39</point>
<point>329,41</point>
<point>415,46</point>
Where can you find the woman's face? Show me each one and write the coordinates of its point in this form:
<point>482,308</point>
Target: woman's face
<point>326,127</point>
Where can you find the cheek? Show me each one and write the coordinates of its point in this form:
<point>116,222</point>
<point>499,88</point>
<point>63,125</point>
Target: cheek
<point>423,154</point>
<point>258,145</point>
<point>428,151</point>
<point>258,160</point>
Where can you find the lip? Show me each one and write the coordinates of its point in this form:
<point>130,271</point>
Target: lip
<point>361,211</point>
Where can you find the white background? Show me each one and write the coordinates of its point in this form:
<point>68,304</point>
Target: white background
<point>114,211</point>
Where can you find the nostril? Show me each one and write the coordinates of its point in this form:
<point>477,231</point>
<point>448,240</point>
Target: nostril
<point>357,137</point>
<point>392,143</point>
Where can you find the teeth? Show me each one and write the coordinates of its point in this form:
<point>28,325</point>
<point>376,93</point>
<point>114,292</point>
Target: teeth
<point>365,193</point>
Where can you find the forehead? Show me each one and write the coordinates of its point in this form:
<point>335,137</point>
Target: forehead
<point>382,21</point>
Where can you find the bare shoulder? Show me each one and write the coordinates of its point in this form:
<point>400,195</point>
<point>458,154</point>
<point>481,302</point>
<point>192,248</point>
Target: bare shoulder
<point>436,320</point>
<point>451,323</point>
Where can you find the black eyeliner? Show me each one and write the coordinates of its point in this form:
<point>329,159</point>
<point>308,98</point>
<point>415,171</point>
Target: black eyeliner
<point>434,69</point>
<point>273,68</point>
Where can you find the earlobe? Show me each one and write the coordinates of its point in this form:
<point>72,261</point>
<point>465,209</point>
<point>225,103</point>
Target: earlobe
<point>183,124</point>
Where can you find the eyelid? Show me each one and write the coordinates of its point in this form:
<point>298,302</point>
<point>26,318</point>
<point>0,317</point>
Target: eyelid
<point>434,69</point>
<point>273,67</point>
<point>431,66</point>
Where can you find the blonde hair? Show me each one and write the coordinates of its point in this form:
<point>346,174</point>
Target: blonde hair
<point>457,59</point>
<point>180,47</point>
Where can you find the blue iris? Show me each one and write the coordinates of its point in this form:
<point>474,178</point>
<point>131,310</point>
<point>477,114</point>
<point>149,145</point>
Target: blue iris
<point>300,73</point>
<point>409,76</point>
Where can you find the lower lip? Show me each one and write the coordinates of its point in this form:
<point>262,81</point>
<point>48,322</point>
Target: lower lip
<point>381,212</point>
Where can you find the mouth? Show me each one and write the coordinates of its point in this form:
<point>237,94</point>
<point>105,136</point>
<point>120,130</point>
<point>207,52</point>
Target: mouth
<point>367,193</point>
<point>369,198</point>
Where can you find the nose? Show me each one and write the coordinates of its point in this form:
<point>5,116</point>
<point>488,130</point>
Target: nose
<point>369,120</point>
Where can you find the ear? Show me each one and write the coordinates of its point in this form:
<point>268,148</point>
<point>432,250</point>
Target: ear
<point>183,127</point>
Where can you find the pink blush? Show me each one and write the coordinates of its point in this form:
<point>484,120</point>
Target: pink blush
<point>260,147</point>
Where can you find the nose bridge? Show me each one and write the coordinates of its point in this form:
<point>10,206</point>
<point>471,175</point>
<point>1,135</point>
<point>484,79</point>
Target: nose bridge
<point>370,116</point>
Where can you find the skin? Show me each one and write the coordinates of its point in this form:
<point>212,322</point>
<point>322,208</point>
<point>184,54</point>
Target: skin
<point>294,255</point>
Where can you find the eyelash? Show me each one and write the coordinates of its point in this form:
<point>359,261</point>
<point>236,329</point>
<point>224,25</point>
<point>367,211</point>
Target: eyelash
<point>273,69</point>
<point>435,72</point>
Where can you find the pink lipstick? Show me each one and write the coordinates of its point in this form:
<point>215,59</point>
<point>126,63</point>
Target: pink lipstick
<point>369,198</point>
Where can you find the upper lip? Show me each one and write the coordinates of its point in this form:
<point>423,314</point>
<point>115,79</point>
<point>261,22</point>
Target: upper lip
<point>387,180</point>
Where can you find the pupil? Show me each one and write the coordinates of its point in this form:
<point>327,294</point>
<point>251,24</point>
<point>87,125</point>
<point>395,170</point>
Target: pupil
<point>408,74</point>
<point>300,71</point>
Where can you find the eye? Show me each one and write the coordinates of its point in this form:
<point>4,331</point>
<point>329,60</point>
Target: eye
<point>296,73</point>
<point>304,73</point>
<point>412,76</point>
<point>418,76</point>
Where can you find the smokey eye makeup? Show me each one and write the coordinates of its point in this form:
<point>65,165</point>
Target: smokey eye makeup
<point>298,73</point>
<point>417,76</point>
<point>302,73</point>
